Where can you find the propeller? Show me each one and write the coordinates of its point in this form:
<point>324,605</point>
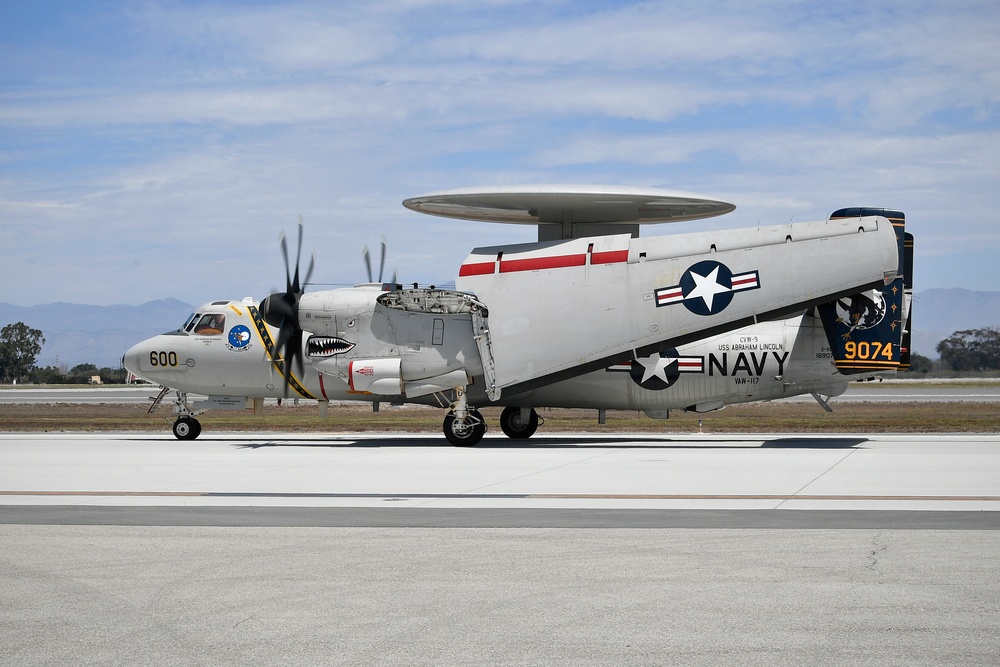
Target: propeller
<point>381,263</point>
<point>281,310</point>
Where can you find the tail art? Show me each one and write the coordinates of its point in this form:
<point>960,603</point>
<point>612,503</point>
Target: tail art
<point>870,331</point>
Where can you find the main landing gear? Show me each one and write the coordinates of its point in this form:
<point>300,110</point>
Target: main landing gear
<point>466,432</point>
<point>464,426</point>
<point>518,423</point>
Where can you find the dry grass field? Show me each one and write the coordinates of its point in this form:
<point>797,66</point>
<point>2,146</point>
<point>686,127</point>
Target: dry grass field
<point>780,417</point>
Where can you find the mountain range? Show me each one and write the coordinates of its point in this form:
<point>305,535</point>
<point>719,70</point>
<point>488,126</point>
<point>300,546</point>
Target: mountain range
<point>76,334</point>
<point>100,335</point>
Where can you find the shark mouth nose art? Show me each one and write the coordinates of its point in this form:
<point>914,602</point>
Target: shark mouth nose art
<point>327,346</point>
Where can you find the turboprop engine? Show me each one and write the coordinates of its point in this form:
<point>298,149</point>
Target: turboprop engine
<point>405,343</point>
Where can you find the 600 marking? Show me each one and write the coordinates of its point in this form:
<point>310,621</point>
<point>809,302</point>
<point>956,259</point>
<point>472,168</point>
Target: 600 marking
<point>162,359</point>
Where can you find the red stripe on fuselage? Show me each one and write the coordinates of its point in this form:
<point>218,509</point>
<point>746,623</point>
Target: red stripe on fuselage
<point>609,257</point>
<point>542,263</point>
<point>538,263</point>
<point>477,269</point>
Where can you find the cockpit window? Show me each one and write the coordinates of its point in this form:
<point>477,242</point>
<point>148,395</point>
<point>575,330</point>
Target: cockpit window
<point>189,322</point>
<point>211,324</point>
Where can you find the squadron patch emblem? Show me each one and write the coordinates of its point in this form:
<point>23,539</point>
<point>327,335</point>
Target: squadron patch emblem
<point>861,311</point>
<point>239,338</point>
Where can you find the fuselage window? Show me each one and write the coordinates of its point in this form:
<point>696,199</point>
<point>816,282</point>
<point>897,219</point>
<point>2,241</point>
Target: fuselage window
<point>211,324</point>
<point>192,320</point>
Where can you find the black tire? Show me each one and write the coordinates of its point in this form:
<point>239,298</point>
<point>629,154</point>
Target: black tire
<point>467,433</point>
<point>513,427</point>
<point>187,428</point>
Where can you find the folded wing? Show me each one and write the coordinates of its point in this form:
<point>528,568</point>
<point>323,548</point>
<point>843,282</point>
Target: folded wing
<point>562,308</point>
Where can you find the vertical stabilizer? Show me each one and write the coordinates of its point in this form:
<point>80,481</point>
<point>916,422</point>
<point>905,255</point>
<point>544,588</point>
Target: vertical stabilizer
<point>870,331</point>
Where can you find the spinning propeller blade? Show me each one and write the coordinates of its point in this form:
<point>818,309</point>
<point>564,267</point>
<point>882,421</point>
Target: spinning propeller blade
<point>365,254</point>
<point>281,310</point>
<point>381,263</point>
<point>368,262</point>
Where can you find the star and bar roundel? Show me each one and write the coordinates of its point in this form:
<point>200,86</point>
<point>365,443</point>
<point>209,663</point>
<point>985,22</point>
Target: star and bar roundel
<point>706,288</point>
<point>660,370</point>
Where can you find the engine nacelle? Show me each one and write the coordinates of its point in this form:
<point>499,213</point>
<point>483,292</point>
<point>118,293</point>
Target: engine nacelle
<point>384,377</point>
<point>377,376</point>
<point>435,384</point>
<point>329,312</point>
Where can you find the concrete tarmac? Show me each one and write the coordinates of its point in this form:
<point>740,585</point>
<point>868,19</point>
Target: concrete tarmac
<point>584,550</point>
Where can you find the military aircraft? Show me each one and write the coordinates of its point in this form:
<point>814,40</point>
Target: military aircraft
<point>590,316</point>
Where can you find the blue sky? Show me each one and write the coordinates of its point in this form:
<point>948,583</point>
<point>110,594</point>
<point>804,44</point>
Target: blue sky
<point>156,149</point>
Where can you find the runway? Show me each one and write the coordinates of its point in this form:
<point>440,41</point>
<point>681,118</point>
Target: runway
<point>699,471</point>
<point>592,550</point>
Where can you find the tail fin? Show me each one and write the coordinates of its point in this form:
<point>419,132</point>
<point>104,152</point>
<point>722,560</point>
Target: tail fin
<point>866,331</point>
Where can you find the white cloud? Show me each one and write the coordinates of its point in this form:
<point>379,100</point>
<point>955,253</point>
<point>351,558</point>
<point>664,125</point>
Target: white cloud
<point>169,138</point>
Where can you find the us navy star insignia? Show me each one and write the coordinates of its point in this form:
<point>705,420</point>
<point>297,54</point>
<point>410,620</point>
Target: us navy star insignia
<point>707,288</point>
<point>660,370</point>
<point>654,366</point>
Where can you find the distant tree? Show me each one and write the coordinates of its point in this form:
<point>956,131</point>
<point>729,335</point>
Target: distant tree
<point>47,375</point>
<point>82,373</point>
<point>971,350</point>
<point>920,364</point>
<point>113,375</point>
<point>79,374</point>
<point>19,347</point>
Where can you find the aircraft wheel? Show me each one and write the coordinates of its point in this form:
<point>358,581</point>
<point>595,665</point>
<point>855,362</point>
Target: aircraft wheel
<point>466,433</point>
<point>513,427</point>
<point>187,428</point>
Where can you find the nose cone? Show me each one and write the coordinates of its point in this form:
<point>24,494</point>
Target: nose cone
<point>135,353</point>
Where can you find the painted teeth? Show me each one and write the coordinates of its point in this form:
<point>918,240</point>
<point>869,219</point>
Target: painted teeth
<point>327,346</point>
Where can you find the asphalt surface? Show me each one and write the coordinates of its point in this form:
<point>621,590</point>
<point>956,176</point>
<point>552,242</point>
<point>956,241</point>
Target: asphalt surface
<point>284,549</point>
<point>438,596</point>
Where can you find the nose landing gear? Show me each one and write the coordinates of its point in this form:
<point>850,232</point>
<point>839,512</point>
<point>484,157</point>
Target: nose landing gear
<point>187,428</point>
